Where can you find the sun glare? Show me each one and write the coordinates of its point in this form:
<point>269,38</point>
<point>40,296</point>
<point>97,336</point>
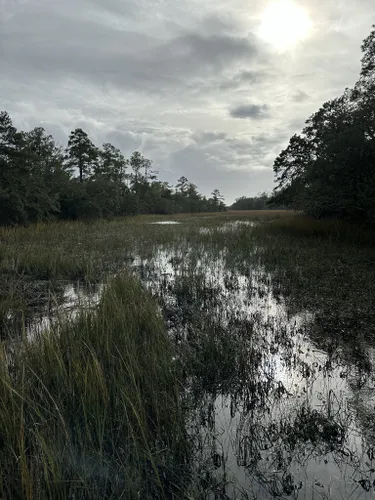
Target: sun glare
<point>284,23</point>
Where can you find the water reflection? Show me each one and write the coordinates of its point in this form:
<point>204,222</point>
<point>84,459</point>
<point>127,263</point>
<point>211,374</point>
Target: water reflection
<point>280,405</point>
<point>165,223</point>
<point>64,301</point>
<point>275,411</point>
<point>228,226</point>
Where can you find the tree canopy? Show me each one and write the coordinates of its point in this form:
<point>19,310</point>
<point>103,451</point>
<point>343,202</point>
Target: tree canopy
<point>259,202</point>
<point>41,181</point>
<point>328,170</point>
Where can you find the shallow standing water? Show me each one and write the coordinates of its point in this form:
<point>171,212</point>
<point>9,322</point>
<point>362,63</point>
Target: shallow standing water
<point>276,409</point>
<point>290,427</point>
<point>166,223</point>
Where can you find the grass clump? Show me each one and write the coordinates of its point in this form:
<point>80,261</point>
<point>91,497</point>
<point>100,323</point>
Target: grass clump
<point>92,410</point>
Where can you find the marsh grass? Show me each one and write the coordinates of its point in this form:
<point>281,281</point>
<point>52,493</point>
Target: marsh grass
<point>324,266</point>
<point>75,250</point>
<point>91,409</point>
<point>330,230</point>
<point>99,406</point>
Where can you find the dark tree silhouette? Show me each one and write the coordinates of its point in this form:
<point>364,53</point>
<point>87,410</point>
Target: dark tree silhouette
<point>328,170</point>
<point>39,182</point>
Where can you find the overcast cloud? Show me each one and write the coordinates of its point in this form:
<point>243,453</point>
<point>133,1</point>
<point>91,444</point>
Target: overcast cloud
<point>255,111</point>
<point>187,83</point>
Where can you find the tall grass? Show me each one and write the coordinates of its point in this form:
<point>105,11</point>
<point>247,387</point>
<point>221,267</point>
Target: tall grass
<point>78,250</point>
<point>324,266</point>
<point>91,409</point>
<point>331,230</point>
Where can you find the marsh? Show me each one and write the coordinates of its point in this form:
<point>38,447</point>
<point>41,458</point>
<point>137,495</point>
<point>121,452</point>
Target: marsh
<point>222,356</point>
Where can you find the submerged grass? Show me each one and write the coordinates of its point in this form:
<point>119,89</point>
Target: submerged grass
<point>92,410</point>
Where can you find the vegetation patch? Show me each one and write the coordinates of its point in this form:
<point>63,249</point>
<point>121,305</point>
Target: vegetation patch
<point>91,409</point>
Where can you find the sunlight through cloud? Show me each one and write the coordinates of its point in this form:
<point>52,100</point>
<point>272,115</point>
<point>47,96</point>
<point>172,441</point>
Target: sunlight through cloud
<point>284,23</point>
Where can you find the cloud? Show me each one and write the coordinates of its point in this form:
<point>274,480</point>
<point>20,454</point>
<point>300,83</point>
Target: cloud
<point>53,46</point>
<point>300,96</point>
<point>254,111</point>
<point>127,141</point>
<point>208,137</point>
<point>241,164</point>
<point>205,166</point>
<point>245,79</point>
<point>168,78</point>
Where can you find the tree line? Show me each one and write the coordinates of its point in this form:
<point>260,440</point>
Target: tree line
<point>40,180</point>
<point>260,202</point>
<point>328,170</point>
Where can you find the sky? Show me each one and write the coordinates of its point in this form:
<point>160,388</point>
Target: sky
<point>211,90</point>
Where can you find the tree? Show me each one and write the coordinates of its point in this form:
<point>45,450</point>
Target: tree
<point>111,164</point>
<point>9,137</point>
<point>368,59</point>
<point>141,181</point>
<point>217,196</point>
<point>31,174</point>
<point>138,163</point>
<point>13,173</point>
<point>329,169</point>
<point>81,153</point>
<point>37,180</point>
<point>259,202</point>
<point>44,161</point>
<point>108,183</point>
<point>182,185</point>
<point>194,198</point>
<point>217,201</point>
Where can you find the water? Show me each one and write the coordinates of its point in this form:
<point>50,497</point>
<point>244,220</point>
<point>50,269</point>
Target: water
<point>228,226</point>
<point>291,427</point>
<point>72,298</point>
<point>275,409</point>
<point>166,223</point>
